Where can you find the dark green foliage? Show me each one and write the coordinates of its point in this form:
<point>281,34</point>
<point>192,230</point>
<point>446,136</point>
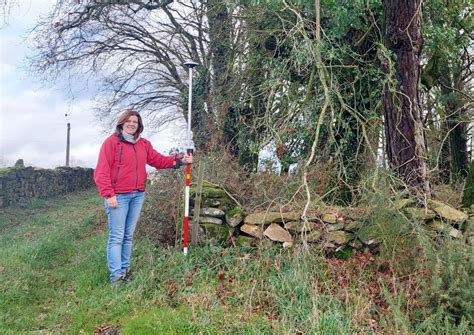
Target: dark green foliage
<point>431,73</point>
<point>345,253</point>
<point>468,195</point>
<point>449,291</point>
<point>284,57</point>
<point>447,31</point>
<point>389,228</point>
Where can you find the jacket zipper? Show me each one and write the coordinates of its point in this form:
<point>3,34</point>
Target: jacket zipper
<point>136,168</point>
<point>118,168</point>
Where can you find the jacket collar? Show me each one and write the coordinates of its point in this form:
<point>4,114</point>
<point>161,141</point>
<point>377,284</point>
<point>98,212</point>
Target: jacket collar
<point>122,139</point>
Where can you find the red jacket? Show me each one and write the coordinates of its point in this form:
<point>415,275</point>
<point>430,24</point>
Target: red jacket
<point>121,165</point>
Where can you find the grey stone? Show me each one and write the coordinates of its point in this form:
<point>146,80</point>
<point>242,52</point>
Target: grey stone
<point>276,233</point>
<point>209,220</point>
<point>234,217</point>
<point>335,226</point>
<point>217,232</point>
<point>270,217</point>
<point>252,230</point>
<point>300,226</point>
<point>329,218</point>
<point>339,237</point>
<point>312,236</point>
<point>214,212</point>
<point>212,202</point>
<point>365,234</point>
<point>455,233</point>
<point>448,212</point>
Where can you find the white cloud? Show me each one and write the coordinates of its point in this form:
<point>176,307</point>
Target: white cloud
<point>34,127</point>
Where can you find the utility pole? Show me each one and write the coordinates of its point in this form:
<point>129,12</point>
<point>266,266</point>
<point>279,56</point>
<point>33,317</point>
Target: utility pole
<point>68,141</point>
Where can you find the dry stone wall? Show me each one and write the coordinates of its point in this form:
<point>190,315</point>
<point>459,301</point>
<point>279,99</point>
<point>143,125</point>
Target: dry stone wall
<point>332,228</point>
<point>19,185</point>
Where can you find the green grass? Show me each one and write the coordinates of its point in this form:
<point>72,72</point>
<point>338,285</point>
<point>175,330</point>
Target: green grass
<point>54,280</point>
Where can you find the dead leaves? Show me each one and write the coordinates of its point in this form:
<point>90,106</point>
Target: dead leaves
<point>223,290</point>
<point>107,330</point>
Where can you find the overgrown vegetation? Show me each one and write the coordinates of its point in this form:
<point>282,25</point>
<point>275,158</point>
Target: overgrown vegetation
<point>54,279</point>
<point>468,194</point>
<point>331,89</point>
<point>331,85</point>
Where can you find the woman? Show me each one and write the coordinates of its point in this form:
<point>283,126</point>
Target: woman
<point>120,177</point>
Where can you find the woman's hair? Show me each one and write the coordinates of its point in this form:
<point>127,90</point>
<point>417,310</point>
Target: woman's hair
<point>124,117</point>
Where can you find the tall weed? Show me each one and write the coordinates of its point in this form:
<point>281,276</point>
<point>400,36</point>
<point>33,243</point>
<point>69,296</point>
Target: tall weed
<point>431,289</point>
<point>301,299</point>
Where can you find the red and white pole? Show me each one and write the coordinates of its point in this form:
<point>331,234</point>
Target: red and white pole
<point>186,210</point>
<point>190,148</point>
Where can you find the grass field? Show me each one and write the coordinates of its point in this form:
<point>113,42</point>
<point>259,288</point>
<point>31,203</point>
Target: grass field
<point>54,280</point>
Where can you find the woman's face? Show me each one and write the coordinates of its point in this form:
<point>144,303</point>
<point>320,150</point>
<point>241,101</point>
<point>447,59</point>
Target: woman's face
<point>131,125</point>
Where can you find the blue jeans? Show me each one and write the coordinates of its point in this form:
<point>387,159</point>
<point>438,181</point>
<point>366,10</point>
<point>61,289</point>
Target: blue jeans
<point>122,222</point>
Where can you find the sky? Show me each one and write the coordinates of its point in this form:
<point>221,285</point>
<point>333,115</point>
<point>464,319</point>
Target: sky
<point>33,121</point>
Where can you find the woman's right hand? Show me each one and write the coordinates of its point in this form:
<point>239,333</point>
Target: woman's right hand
<point>112,202</point>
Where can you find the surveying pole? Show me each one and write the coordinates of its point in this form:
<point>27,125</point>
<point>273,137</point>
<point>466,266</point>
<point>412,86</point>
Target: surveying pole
<point>189,150</point>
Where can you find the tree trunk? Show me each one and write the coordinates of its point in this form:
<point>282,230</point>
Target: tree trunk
<point>220,45</point>
<point>402,108</point>
<point>455,132</point>
<point>458,136</point>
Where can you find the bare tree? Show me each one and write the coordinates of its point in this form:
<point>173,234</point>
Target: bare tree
<point>6,7</point>
<point>135,49</point>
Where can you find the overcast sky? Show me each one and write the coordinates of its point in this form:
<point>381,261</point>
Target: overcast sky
<point>32,115</point>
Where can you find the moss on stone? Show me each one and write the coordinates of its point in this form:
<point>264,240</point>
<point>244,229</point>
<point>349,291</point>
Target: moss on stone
<point>234,216</point>
<point>234,211</point>
<point>217,232</point>
<point>209,192</point>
